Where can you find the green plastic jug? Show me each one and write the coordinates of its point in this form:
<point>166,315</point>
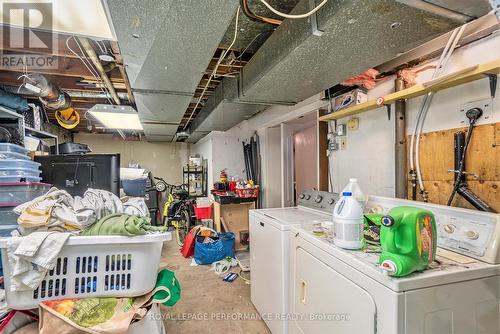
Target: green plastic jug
<point>408,239</point>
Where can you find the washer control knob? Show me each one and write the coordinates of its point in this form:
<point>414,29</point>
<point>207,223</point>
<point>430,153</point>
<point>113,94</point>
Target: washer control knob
<point>448,228</point>
<point>472,235</point>
<point>331,201</point>
<point>308,197</point>
<point>318,199</point>
<point>301,196</point>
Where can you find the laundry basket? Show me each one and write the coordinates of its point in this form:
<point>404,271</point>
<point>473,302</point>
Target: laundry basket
<point>94,266</point>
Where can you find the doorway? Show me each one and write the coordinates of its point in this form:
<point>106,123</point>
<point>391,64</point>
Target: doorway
<point>295,161</point>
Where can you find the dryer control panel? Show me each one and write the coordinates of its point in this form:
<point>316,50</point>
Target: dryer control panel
<point>319,200</point>
<point>468,232</point>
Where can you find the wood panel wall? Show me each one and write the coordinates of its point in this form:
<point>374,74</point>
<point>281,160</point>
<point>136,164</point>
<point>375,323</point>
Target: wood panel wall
<point>483,159</point>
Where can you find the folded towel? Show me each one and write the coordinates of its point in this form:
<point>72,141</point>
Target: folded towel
<point>123,224</point>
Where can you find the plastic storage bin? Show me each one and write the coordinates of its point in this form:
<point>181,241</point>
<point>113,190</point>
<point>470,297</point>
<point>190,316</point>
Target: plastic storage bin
<point>99,266</point>
<point>248,192</point>
<point>12,155</point>
<point>203,213</point>
<point>18,163</point>
<point>20,172</point>
<point>135,188</point>
<point>7,147</point>
<point>203,202</point>
<point>5,230</point>
<point>15,193</point>
<point>7,216</point>
<point>10,179</point>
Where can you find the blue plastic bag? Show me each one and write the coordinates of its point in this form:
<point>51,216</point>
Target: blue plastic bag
<point>221,247</point>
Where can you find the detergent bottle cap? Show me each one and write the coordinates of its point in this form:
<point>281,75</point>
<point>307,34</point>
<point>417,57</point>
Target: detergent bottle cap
<point>347,193</point>
<point>353,180</point>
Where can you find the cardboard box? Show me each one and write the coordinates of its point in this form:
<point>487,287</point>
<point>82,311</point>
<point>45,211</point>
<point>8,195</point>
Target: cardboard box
<point>349,99</point>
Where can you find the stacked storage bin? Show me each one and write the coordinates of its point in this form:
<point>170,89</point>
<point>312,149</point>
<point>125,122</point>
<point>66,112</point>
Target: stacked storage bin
<point>19,183</point>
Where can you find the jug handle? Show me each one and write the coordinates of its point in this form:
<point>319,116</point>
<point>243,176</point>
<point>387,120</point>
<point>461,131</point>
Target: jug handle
<point>390,240</point>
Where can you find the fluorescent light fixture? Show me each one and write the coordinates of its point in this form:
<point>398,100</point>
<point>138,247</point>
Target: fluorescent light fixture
<point>116,117</point>
<point>76,17</point>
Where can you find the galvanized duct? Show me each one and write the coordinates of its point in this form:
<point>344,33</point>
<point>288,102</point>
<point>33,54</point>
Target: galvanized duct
<point>300,59</point>
<point>355,35</point>
<point>167,45</point>
<point>224,110</point>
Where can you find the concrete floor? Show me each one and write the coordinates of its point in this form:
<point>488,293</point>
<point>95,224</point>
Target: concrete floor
<point>207,299</point>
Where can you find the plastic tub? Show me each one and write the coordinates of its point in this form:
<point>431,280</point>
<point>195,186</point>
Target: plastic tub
<point>18,163</point>
<point>93,266</point>
<point>203,213</point>
<point>7,147</point>
<point>8,217</point>
<point>15,193</point>
<point>4,155</point>
<point>203,202</point>
<point>20,172</point>
<point>134,188</point>
<point>4,179</point>
<point>5,231</point>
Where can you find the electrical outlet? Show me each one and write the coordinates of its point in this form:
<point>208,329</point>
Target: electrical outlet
<point>343,143</point>
<point>353,124</point>
<point>486,105</point>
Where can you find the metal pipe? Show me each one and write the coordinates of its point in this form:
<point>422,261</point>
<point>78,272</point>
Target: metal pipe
<point>89,50</point>
<point>400,142</point>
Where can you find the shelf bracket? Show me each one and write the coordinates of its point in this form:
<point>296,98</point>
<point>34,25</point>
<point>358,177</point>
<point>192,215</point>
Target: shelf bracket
<point>314,20</point>
<point>493,84</point>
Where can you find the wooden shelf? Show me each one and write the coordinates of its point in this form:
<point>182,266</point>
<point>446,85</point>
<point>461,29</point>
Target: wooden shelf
<point>466,75</point>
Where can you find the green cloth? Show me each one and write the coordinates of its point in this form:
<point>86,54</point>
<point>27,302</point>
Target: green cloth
<point>123,224</point>
<point>167,285</point>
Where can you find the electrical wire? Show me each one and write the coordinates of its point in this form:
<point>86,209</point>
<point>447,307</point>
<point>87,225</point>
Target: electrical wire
<point>248,12</point>
<point>212,75</point>
<point>104,89</point>
<point>89,67</point>
<point>291,16</point>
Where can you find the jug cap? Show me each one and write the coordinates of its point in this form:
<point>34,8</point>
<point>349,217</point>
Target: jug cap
<point>347,193</point>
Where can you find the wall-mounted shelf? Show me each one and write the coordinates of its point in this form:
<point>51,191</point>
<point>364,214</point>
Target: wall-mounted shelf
<point>491,70</point>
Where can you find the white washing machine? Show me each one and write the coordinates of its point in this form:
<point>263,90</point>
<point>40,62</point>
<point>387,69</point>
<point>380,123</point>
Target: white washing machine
<point>333,290</point>
<point>269,253</point>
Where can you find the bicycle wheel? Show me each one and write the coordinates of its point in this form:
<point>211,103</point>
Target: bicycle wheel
<point>184,224</point>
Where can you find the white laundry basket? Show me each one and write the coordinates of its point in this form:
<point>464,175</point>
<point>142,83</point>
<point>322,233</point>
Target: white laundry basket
<point>94,266</point>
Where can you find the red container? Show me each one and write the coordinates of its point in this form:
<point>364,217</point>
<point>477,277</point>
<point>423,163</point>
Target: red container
<point>248,192</point>
<point>203,213</point>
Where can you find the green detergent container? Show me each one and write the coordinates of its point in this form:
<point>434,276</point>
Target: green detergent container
<point>408,239</point>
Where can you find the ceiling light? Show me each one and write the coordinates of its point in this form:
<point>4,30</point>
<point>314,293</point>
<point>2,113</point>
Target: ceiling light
<point>116,117</point>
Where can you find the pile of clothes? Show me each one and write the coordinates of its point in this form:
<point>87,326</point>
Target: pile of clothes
<point>57,210</point>
<point>48,221</point>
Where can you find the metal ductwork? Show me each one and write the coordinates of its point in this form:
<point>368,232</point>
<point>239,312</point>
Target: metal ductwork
<point>224,110</point>
<point>167,46</point>
<point>345,38</point>
<point>351,37</point>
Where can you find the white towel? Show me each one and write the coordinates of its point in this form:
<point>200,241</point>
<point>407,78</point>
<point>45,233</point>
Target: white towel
<point>31,257</point>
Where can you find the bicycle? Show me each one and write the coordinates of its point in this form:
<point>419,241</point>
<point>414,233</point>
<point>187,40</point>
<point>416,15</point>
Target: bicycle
<point>178,210</point>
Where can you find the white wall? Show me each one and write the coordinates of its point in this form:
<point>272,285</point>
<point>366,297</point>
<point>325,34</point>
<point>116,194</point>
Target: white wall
<point>162,159</point>
<point>222,150</point>
<point>370,149</point>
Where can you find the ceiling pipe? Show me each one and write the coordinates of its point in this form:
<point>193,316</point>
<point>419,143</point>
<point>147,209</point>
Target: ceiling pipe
<point>72,93</point>
<point>89,50</point>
